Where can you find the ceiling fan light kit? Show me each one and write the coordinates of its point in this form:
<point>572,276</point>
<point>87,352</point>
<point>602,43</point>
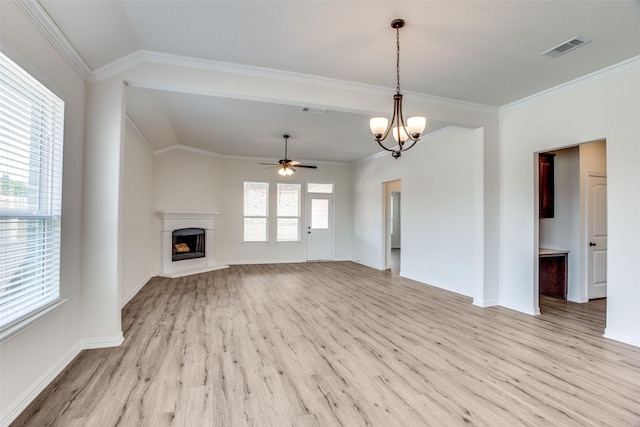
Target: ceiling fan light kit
<point>403,132</point>
<point>286,166</point>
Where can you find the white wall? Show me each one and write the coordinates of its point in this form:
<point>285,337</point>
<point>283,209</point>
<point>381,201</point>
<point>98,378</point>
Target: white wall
<point>139,224</point>
<point>191,180</point>
<point>439,210</point>
<point>604,108</point>
<point>237,171</point>
<point>32,358</point>
<point>563,230</point>
<point>187,180</point>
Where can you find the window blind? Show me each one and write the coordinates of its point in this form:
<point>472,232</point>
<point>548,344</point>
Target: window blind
<point>288,203</point>
<point>256,208</point>
<point>31,142</point>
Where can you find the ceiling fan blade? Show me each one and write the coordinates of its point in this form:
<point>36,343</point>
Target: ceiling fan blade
<point>294,162</point>
<point>307,166</point>
<point>270,164</point>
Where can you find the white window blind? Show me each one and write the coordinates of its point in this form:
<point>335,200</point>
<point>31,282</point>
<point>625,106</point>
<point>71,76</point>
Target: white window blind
<point>256,204</point>
<point>31,138</point>
<point>288,229</point>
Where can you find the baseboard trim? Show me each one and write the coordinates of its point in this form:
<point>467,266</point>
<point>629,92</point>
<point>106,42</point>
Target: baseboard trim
<point>533,311</point>
<point>432,283</point>
<point>133,293</point>
<point>30,394</point>
<point>264,261</point>
<point>577,298</point>
<point>485,302</point>
<point>90,344</point>
<point>47,378</point>
<point>626,339</point>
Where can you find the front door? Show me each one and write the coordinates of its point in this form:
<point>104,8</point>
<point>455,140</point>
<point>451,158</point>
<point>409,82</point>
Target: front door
<point>319,227</point>
<point>597,235</point>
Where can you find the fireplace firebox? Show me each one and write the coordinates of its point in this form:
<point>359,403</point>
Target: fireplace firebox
<point>187,243</point>
<point>197,260</point>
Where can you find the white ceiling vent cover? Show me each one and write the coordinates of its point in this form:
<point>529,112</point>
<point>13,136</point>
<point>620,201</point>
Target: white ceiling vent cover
<point>565,47</point>
<point>317,110</point>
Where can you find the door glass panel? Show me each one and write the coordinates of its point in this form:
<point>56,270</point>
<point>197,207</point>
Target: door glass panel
<point>319,214</point>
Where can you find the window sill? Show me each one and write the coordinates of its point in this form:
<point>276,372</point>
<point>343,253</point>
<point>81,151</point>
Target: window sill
<point>31,320</point>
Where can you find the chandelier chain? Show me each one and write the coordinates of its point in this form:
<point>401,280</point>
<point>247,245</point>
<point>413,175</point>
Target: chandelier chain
<point>397,60</point>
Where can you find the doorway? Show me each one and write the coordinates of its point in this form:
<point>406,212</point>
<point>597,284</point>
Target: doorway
<point>577,225</point>
<point>392,225</point>
<point>319,222</point>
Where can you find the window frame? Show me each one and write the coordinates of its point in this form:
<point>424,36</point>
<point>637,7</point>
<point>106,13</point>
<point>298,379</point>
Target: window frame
<point>31,155</point>
<point>245,216</point>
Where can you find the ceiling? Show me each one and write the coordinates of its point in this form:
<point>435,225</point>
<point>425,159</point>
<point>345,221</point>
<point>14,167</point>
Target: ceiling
<point>483,52</point>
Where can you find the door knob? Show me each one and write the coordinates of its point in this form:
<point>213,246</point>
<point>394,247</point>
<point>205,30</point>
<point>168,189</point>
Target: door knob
<point>591,244</point>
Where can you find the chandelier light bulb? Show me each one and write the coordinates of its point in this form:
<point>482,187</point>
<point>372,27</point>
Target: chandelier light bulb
<point>282,171</point>
<point>400,134</point>
<point>416,125</point>
<point>378,125</point>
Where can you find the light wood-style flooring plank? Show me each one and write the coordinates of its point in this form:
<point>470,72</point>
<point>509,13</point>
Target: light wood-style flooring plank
<point>340,344</point>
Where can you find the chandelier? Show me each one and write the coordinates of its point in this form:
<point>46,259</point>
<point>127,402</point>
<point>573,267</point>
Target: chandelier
<point>405,134</point>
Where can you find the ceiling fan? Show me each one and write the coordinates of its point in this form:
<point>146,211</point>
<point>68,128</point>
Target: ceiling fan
<point>286,166</point>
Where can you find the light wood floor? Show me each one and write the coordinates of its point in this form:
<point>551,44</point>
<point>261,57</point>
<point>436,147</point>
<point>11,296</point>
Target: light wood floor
<point>338,344</point>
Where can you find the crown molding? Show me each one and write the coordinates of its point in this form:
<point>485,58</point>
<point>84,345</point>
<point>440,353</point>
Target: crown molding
<point>580,81</point>
<point>43,22</point>
<point>138,132</point>
<point>136,58</point>
<point>186,148</point>
<point>235,157</point>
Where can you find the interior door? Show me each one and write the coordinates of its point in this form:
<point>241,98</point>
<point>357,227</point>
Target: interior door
<point>597,236</point>
<point>319,227</point>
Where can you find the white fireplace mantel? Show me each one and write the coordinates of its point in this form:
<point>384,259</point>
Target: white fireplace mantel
<point>175,220</point>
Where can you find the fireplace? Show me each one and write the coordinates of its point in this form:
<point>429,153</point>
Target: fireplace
<point>187,243</point>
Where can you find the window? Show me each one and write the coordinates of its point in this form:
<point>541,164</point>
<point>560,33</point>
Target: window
<point>288,213</point>
<point>256,207</point>
<point>31,138</point>
<point>319,187</point>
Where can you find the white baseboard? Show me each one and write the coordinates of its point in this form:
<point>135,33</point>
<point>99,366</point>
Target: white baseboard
<point>133,293</point>
<point>16,408</point>
<point>90,344</point>
<point>577,298</point>
<point>377,267</point>
<point>533,311</point>
<point>264,261</point>
<point>427,282</point>
<point>29,395</point>
<point>485,302</point>
<point>634,341</point>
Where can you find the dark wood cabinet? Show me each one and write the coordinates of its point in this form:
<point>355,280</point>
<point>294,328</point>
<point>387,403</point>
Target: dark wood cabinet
<point>552,280</point>
<point>545,171</point>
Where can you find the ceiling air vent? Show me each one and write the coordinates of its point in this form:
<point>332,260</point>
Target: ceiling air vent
<point>565,47</point>
<point>316,110</point>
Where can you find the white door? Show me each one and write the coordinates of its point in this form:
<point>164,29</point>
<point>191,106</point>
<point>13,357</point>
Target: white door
<point>597,236</point>
<point>319,227</point>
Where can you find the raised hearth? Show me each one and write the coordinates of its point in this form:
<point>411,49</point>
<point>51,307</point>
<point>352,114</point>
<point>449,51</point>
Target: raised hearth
<point>178,266</point>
